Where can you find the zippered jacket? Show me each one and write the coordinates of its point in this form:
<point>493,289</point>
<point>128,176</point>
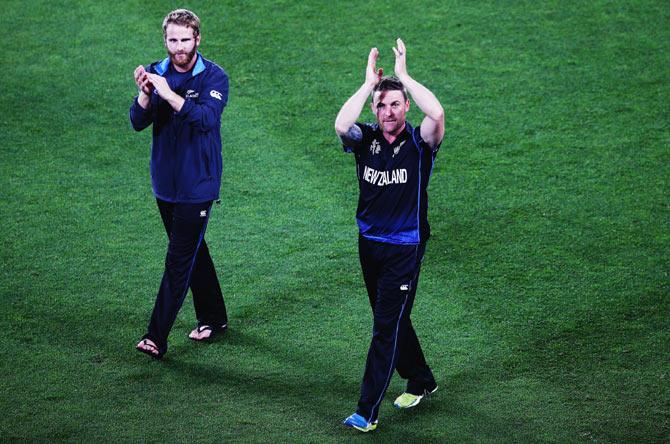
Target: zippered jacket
<point>186,159</point>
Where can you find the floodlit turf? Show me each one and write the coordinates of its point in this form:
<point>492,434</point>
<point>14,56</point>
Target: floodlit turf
<point>544,303</point>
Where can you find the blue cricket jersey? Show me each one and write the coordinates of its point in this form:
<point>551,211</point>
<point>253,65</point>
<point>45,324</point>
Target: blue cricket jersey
<point>393,181</point>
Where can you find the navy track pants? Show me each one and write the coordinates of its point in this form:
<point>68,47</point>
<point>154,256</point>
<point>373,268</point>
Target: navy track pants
<point>187,263</point>
<point>391,274</point>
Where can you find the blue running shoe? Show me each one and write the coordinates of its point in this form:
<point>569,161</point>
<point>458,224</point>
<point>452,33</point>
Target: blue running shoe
<point>359,423</point>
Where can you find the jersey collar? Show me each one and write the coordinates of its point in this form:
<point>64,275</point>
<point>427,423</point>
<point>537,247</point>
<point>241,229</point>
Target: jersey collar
<point>404,134</point>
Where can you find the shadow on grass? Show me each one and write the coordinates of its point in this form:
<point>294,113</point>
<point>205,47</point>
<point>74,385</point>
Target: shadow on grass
<point>302,387</point>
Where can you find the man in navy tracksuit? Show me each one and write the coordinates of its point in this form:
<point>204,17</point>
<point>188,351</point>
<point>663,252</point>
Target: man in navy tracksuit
<point>393,162</point>
<point>183,97</point>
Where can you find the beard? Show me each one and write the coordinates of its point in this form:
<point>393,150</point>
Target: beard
<point>182,59</point>
<point>392,127</point>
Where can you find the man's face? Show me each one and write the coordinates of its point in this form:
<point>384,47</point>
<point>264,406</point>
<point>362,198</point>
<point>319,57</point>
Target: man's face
<point>181,45</point>
<point>390,107</point>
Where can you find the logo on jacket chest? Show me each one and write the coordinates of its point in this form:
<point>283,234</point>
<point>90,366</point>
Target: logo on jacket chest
<point>190,94</point>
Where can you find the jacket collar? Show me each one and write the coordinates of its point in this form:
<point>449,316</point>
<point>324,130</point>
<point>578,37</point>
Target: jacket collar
<point>162,67</point>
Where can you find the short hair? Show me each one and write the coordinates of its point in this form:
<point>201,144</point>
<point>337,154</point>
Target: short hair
<point>389,83</point>
<point>182,17</point>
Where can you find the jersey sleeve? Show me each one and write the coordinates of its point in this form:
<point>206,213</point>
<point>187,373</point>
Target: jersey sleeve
<point>352,146</point>
<point>418,140</point>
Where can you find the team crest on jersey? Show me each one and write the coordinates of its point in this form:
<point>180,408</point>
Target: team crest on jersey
<point>190,94</point>
<point>375,148</point>
<point>396,150</point>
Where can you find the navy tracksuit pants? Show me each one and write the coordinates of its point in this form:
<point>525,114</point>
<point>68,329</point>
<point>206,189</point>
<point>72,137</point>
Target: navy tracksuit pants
<point>187,263</point>
<point>391,274</point>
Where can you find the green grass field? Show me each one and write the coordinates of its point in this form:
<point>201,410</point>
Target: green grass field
<point>544,306</point>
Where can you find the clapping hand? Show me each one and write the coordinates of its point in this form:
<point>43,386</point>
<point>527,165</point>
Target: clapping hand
<point>142,80</point>
<point>160,84</point>
<point>372,74</point>
<point>400,59</point>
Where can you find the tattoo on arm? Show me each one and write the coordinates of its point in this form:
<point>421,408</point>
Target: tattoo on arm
<point>353,137</point>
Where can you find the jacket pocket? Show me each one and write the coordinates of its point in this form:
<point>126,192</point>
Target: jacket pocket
<point>208,166</point>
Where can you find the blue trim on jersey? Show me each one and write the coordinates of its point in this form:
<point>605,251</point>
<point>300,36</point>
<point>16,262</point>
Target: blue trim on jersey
<point>418,189</point>
<point>418,198</point>
<point>432,164</point>
<point>417,144</point>
<point>397,239</point>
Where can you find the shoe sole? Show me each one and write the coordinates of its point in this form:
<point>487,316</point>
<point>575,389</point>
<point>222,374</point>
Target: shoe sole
<point>370,428</point>
<point>415,403</point>
<point>365,430</point>
<point>409,406</point>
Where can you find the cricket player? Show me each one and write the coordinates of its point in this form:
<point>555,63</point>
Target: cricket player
<point>183,97</point>
<point>394,161</point>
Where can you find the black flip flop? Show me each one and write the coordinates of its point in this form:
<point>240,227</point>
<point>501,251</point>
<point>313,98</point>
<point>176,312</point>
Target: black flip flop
<point>211,336</point>
<point>158,356</point>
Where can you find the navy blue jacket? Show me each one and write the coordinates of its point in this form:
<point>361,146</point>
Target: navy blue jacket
<point>186,159</point>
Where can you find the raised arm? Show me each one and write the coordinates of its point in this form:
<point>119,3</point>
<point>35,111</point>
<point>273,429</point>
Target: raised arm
<point>204,113</point>
<point>345,121</point>
<point>432,126</point>
<point>163,90</point>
